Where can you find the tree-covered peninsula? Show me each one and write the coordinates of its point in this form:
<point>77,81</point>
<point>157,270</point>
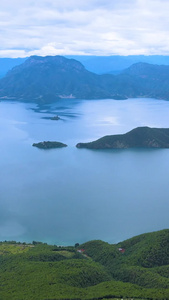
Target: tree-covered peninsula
<point>140,137</point>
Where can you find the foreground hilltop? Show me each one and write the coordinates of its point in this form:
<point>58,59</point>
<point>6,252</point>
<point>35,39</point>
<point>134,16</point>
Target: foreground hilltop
<point>46,79</point>
<point>137,268</point>
<point>141,137</point>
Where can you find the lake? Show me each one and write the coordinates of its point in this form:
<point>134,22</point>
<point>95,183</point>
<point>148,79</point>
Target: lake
<point>69,195</point>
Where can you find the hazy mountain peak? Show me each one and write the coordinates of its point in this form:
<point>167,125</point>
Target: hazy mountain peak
<point>59,61</point>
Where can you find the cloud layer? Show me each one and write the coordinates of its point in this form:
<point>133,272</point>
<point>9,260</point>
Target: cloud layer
<point>95,27</point>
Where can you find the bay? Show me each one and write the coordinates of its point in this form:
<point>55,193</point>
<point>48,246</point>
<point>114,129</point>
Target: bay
<point>69,195</point>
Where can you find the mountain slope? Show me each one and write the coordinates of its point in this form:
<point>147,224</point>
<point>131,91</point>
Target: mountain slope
<point>153,79</point>
<point>52,77</point>
<point>144,260</point>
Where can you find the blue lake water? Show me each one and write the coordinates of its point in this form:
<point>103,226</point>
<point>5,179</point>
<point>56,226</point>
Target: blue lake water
<point>70,195</point>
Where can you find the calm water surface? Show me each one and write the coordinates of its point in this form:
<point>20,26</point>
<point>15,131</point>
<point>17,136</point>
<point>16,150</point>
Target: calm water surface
<point>70,195</point>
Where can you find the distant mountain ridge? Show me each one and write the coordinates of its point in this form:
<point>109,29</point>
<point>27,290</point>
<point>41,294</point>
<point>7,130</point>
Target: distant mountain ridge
<point>46,79</point>
<point>113,64</point>
<point>153,79</point>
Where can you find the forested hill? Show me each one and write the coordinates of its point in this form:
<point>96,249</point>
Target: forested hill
<point>137,268</point>
<point>46,79</point>
<point>141,260</point>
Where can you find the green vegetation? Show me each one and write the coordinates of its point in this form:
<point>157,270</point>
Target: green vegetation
<point>49,145</point>
<point>137,268</point>
<point>13,248</point>
<point>141,137</point>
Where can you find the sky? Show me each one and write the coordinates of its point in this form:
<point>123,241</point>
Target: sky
<point>83,27</point>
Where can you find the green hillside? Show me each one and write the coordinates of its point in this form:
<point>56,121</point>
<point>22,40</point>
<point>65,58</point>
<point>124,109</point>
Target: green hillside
<point>137,268</point>
<point>145,260</point>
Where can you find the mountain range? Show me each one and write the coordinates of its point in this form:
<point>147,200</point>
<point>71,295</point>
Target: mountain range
<point>113,64</point>
<point>45,79</point>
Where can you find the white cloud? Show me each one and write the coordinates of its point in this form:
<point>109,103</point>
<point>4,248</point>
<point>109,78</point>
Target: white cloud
<point>50,27</point>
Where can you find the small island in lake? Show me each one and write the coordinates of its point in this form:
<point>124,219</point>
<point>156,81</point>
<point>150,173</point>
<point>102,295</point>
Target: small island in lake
<point>141,137</point>
<point>55,118</point>
<point>49,145</point>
